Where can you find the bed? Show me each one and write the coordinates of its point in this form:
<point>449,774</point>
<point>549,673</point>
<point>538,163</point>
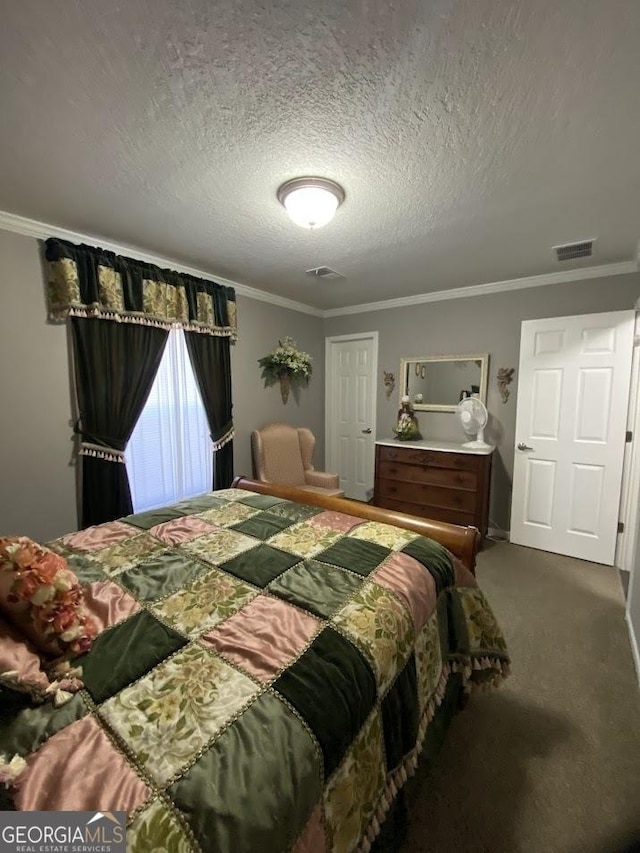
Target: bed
<point>269,666</point>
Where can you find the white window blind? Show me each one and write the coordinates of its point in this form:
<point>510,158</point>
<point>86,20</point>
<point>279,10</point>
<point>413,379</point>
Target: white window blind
<point>169,456</point>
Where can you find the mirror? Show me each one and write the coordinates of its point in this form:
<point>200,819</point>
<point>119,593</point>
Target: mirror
<point>437,383</point>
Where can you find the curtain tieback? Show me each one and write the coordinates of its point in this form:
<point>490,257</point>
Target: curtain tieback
<point>99,451</point>
<point>220,442</point>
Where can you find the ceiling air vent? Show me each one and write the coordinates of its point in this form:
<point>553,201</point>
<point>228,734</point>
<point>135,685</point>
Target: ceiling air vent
<point>324,272</point>
<point>571,251</point>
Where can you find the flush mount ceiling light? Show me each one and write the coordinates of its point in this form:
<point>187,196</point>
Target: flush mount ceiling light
<point>311,202</point>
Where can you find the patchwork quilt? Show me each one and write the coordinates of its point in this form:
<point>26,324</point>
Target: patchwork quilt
<point>264,678</point>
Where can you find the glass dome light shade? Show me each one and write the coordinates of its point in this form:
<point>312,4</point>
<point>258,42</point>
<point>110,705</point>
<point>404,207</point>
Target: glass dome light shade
<point>311,202</point>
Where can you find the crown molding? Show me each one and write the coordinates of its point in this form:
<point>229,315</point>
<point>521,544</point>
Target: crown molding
<point>564,277</point>
<point>41,231</point>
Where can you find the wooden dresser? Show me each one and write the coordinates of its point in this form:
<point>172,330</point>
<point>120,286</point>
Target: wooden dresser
<point>434,479</point>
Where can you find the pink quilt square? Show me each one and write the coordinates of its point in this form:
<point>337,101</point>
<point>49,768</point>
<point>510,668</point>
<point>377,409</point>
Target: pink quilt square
<point>335,521</point>
<point>312,837</point>
<point>182,529</point>
<point>100,536</point>
<point>78,769</point>
<point>108,603</point>
<point>264,636</point>
<point>406,576</point>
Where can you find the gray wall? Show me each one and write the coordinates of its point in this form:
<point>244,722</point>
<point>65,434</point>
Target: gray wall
<point>37,480</point>
<point>260,327</point>
<point>479,324</point>
<point>37,477</point>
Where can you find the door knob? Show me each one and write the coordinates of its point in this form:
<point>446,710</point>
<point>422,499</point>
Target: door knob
<point>367,431</point>
<point>523,446</point>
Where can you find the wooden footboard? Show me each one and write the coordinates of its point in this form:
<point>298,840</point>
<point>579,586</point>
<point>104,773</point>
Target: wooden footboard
<point>461,541</point>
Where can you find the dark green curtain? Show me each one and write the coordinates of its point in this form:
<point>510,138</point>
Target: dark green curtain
<point>115,365</point>
<point>211,360</point>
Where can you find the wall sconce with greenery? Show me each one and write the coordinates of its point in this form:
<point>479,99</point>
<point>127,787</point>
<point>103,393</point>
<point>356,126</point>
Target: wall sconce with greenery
<point>287,365</point>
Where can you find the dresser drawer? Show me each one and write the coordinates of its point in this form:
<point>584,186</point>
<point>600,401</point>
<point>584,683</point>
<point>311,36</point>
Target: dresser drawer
<point>442,484</point>
<point>413,473</point>
<point>431,458</point>
<point>434,512</point>
<point>428,495</point>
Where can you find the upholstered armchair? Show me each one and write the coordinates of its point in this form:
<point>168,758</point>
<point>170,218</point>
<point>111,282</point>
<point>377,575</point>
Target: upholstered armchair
<point>282,454</point>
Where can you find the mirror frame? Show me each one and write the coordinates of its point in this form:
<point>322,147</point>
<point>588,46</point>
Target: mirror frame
<point>483,358</point>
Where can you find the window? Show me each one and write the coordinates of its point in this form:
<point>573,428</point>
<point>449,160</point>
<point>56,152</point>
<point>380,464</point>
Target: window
<point>169,456</point>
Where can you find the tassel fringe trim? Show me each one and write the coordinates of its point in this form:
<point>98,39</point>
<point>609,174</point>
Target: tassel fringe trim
<point>398,777</point>
<point>97,311</point>
<point>220,443</point>
<point>109,454</point>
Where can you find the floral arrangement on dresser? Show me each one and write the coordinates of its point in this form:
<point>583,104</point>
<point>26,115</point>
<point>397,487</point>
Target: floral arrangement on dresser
<point>287,365</point>
<point>42,596</point>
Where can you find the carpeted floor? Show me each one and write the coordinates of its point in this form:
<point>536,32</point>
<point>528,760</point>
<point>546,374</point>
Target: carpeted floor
<point>550,763</point>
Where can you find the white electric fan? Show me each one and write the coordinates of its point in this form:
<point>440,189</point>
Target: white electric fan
<point>473,416</point>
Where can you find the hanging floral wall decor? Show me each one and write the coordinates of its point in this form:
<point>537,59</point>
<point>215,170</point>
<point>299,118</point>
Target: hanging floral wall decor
<point>287,365</point>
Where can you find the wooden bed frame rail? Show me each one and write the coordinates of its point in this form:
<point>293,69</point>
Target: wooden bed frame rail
<point>463,542</point>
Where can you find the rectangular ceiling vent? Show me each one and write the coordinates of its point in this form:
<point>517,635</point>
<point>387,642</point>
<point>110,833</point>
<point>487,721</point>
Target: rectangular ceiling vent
<point>571,251</point>
<point>325,272</point>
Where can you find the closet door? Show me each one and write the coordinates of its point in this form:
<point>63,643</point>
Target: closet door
<point>573,392</point>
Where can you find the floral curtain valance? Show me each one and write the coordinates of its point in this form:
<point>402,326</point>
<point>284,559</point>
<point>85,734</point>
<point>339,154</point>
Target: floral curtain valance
<point>90,282</point>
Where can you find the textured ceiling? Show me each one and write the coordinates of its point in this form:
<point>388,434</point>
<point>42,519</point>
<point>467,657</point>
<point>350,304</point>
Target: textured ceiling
<point>470,135</point>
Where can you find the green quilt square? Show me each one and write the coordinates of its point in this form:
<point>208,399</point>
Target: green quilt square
<point>260,565</point>
<point>296,512</point>
<point>357,555</point>
<point>161,575</point>
<point>199,504</point>
<point>333,688</point>
<point>261,501</point>
<point>317,587</point>
<point>264,763</point>
<point>125,653</point>
<point>23,732</point>
<point>435,559</point>
<point>147,520</point>
<point>264,525</point>
<point>85,568</point>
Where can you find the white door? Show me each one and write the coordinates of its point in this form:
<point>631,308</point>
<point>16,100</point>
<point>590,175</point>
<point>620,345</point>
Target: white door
<point>350,405</point>
<point>573,390</point>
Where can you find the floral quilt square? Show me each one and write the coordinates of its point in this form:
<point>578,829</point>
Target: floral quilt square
<point>482,626</point>
<point>168,716</point>
<point>183,529</point>
<point>233,494</point>
<point>264,636</point>
<point>220,546</point>
<point>351,795</point>
<point>305,539</point>
<point>379,624</point>
<point>387,535</point>
<point>428,660</point>
<point>157,828</point>
<point>228,514</point>
<point>99,536</point>
<point>204,602</point>
<point>128,553</point>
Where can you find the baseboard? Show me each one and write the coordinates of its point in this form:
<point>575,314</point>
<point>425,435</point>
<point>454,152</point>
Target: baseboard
<point>635,649</point>
<point>498,533</point>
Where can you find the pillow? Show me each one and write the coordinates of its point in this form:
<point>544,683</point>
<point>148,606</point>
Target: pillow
<point>20,667</point>
<point>43,598</point>
<point>21,670</point>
